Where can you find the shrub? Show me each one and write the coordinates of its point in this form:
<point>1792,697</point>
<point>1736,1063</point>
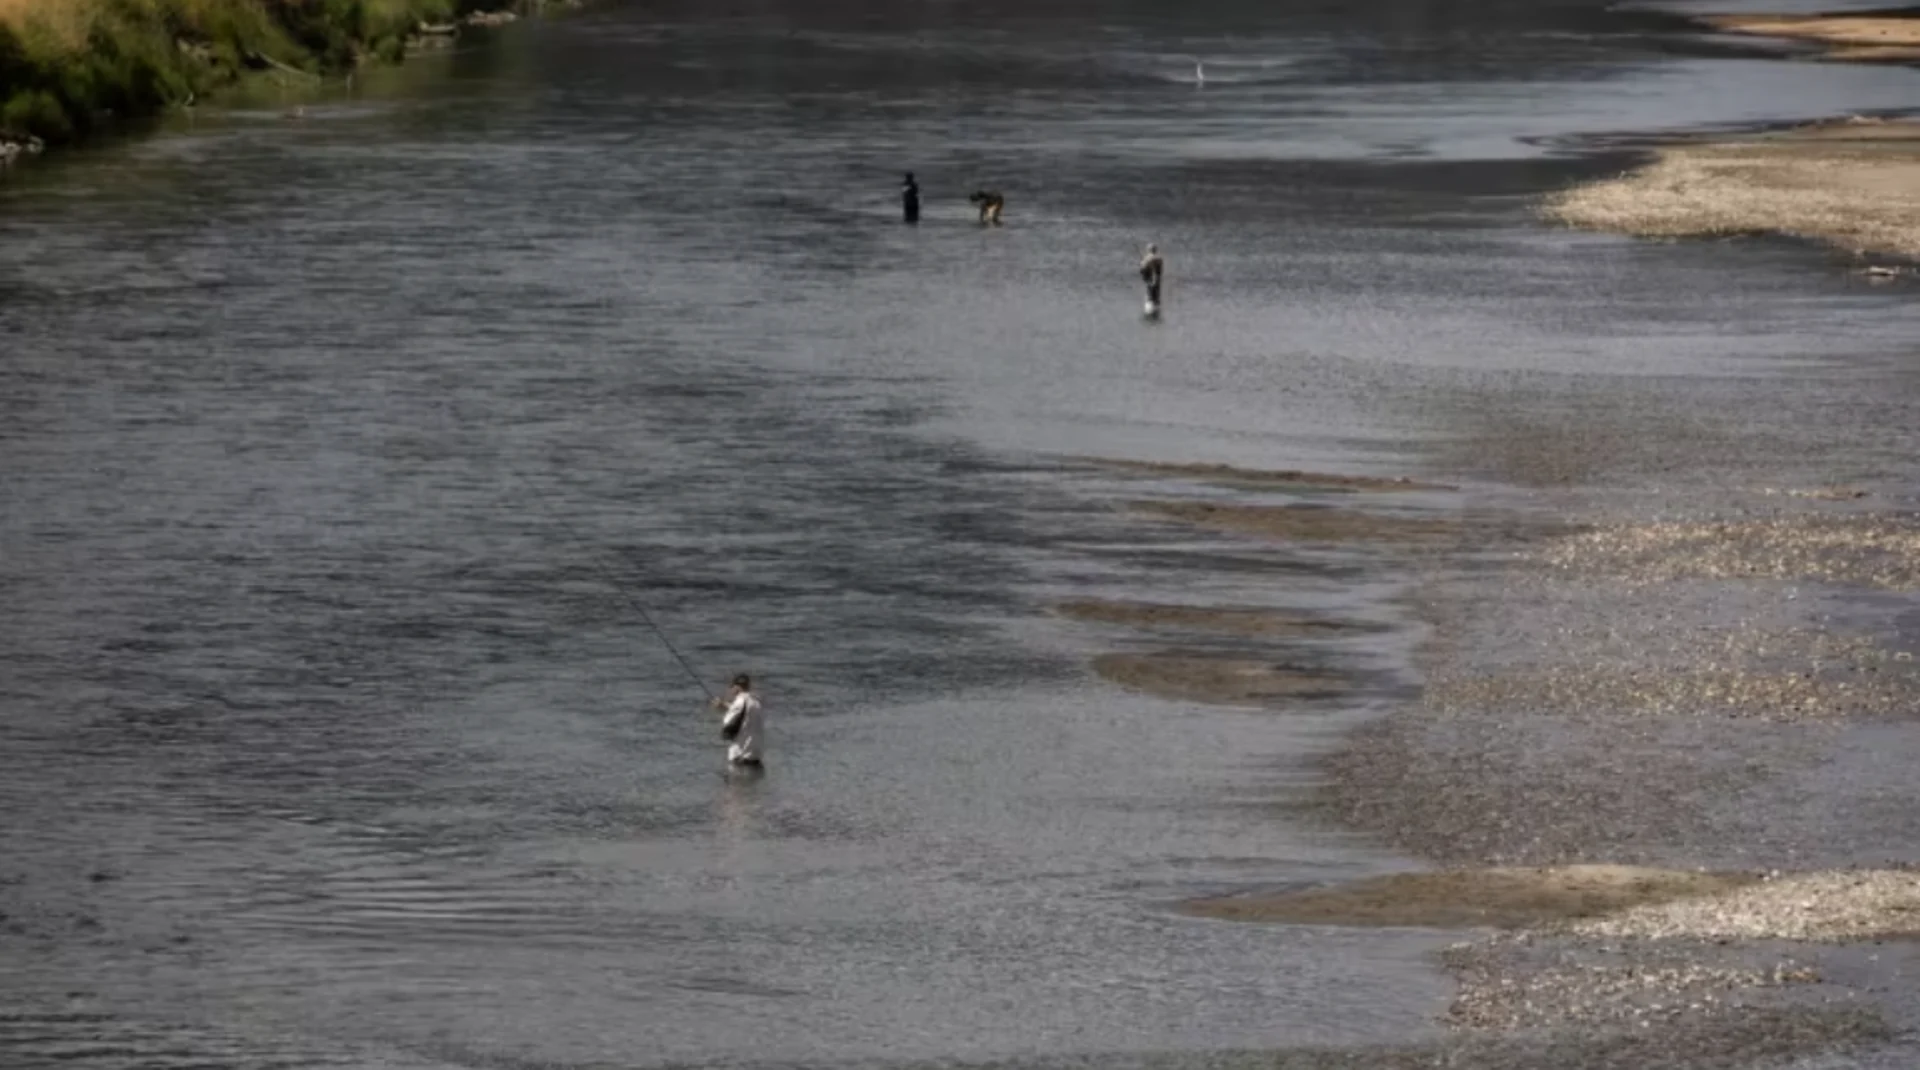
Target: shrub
<point>65,65</point>
<point>35,112</point>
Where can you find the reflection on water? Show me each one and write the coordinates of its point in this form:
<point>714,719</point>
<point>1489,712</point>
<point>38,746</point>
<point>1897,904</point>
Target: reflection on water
<point>323,740</point>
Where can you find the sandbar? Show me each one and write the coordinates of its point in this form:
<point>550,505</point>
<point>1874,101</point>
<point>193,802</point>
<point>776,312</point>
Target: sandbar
<point>1500,897</point>
<point>1223,679</point>
<point>1858,38</point>
<point>1231,620</point>
<point>1854,184</point>
<point>1302,522</point>
<point>1228,475</point>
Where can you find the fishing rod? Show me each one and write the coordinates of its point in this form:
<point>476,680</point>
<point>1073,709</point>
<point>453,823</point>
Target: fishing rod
<point>607,576</point>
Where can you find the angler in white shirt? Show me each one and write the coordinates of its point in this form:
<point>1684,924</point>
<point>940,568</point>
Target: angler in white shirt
<point>742,726</point>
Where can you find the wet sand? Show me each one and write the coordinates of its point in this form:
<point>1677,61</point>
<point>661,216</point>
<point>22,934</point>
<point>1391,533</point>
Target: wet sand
<point>1258,478</point>
<point>1299,522</point>
<point>1225,620</point>
<point>1503,897</point>
<point>1600,900</point>
<point>1223,679</point>
<point>1849,184</point>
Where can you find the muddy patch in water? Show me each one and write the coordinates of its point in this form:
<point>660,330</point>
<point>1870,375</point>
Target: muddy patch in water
<point>1222,679</point>
<point>1263,479</point>
<point>1509,897</point>
<point>1302,522</point>
<point>1229,620</point>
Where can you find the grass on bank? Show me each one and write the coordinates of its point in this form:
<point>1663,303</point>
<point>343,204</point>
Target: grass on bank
<point>70,67</point>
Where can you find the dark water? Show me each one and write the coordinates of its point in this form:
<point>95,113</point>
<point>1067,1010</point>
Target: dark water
<point>333,448</point>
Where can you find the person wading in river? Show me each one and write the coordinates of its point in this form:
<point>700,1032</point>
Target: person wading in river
<point>1152,268</point>
<point>742,727</point>
<point>910,199</point>
<point>990,203</point>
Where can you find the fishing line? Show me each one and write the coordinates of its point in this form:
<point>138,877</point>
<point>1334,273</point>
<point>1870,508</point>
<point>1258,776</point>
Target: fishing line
<point>607,576</point>
<point>633,600</point>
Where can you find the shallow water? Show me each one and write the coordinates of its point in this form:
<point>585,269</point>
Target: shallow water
<point>336,448</point>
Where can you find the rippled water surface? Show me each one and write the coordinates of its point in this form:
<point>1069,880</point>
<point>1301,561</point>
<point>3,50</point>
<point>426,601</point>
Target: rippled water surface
<point>337,448</point>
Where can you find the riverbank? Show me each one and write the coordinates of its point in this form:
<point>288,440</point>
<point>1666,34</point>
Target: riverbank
<point>1642,757</point>
<point>1650,758</point>
<point>1708,687</point>
<point>1853,183</point>
<point>72,69</point>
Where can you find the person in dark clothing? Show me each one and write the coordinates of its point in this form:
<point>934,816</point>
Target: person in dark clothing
<point>910,199</point>
<point>1152,269</point>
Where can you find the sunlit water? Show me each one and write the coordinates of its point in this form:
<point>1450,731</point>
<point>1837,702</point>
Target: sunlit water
<point>338,450</point>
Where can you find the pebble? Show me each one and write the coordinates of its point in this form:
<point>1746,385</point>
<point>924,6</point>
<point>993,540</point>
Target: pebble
<point>1873,550</point>
<point>1826,906</point>
<point>1643,692</point>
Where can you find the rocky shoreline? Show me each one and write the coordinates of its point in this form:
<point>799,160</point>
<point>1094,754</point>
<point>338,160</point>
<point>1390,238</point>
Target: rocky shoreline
<point>1659,759</point>
<point>1689,693</point>
<point>1614,764</point>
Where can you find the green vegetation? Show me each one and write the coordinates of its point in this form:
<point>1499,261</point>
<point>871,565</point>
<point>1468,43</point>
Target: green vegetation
<point>70,68</point>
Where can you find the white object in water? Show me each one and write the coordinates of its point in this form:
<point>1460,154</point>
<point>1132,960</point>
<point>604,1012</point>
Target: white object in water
<point>1199,73</point>
<point>749,728</point>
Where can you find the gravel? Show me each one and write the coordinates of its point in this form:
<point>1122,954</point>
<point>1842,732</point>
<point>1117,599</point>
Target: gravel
<point>1522,982</point>
<point>1683,693</point>
<point>1725,1040</point>
<point>1877,551</point>
<point>1839,905</point>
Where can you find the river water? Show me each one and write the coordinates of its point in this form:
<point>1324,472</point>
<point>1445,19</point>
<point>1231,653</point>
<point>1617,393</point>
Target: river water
<point>339,447</point>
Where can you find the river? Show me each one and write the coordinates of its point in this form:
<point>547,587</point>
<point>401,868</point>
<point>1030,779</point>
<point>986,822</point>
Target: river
<point>344,452</point>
